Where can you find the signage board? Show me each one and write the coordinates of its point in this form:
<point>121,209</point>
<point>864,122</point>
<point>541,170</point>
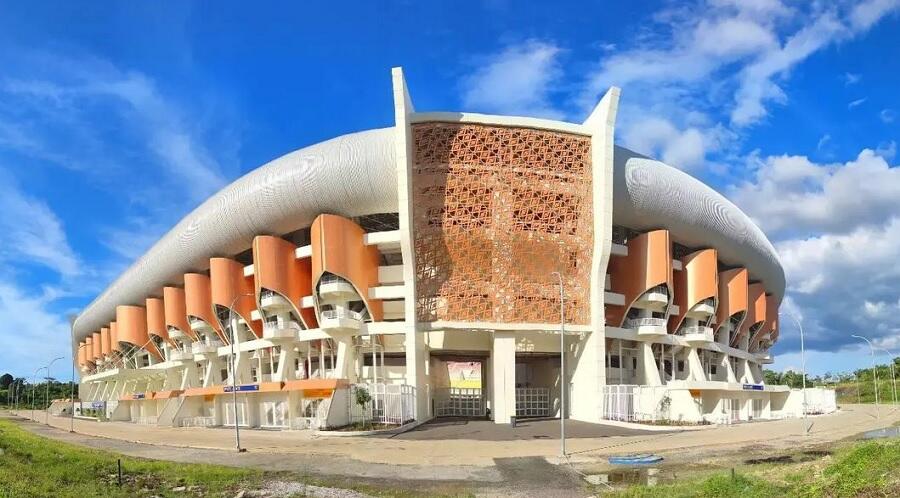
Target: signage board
<point>317,393</point>
<point>138,396</point>
<point>753,387</point>
<point>241,389</point>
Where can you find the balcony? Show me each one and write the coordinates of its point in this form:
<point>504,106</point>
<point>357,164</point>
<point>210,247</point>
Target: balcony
<point>273,302</point>
<point>340,320</point>
<point>698,334</point>
<point>181,355</point>
<point>283,330</point>
<point>655,298</point>
<point>332,287</point>
<point>198,324</point>
<point>647,327</point>
<point>178,334</point>
<point>210,347</point>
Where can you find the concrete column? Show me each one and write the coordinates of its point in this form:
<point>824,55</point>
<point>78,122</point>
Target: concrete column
<point>694,365</point>
<point>647,369</point>
<point>345,360</point>
<point>189,376</point>
<point>503,369</point>
<point>729,372</point>
<point>587,376</point>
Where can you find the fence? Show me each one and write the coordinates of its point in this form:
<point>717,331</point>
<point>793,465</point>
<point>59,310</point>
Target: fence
<point>390,404</point>
<point>532,402</point>
<point>198,422</point>
<point>459,402</point>
<point>632,403</point>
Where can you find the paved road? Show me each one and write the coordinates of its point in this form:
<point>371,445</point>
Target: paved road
<point>525,430</point>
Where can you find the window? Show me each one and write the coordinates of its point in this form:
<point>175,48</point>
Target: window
<point>634,363</point>
<point>681,365</point>
<point>614,361</point>
<point>712,370</point>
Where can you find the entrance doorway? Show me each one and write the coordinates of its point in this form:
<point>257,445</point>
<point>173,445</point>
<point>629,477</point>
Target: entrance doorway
<point>459,386</point>
<point>537,384</point>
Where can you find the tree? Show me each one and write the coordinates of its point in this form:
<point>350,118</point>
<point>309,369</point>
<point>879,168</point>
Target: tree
<point>362,398</point>
<point>5,380</point>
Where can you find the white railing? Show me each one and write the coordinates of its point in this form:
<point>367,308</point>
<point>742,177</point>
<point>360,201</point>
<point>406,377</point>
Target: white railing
<point>459,402</point>
<point>697,329</point>
<point>633,403</point>
<point>633,323</point>
<point>291,325</point>
<point>390,404</point>
<point>335,314</point>
<point>198,422</point>
<point>532,402</point>
<point>146,420</point>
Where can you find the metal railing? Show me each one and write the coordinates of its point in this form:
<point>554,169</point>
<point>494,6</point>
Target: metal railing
<point>198,422</point>
<point>343,313</point>
<point>532,402</point>
<point>288,325</point>
<point>633,323</point>
<point>633,403</point>
<point>390,404</point>
<point>459,402</point>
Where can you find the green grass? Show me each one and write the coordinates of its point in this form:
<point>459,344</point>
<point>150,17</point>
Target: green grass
<point>847,392</point>
<point>860,469</point>
<point>33,466</point>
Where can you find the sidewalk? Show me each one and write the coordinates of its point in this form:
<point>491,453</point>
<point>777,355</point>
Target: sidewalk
<point>478,451</point>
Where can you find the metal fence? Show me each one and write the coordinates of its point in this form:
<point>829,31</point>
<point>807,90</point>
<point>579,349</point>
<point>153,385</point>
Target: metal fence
<point>390,404</point>
<point>633,403</point>
<point>532,402</point>
<point>459,402</point>
<point>198,422</point>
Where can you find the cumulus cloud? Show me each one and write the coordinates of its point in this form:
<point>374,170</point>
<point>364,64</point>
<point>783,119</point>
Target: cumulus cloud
<point>518,80</point>
<point>794,194</point>
<point>887,115</point>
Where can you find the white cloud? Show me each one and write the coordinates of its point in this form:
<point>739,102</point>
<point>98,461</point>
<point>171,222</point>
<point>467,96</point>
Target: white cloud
<point>792,193</point>
<point>887,115</point>
<point>826,138</point>
<point>30,232</point>
<point>518,80</point>
<point>851,79</point>
<point>856,103</point>
<point>40,334</point>
<point>865,14</point>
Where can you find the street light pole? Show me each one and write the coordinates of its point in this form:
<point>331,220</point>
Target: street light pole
<point>33,387</point>
<point>47,398</point>
<point>802,366</point>
<point>233,334</point>
<point>893,379</point>
<point>562,367</point>
<point>74,356</point>
<point>874,369</point>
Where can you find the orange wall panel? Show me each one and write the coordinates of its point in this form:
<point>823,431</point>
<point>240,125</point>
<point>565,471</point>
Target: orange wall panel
<point>771,314</point>
<point>96,346</point>
<point>156,318</point>
<point>89,349</point>
<point>132,325</point>
<point>175,310</point>
<point>697,281</point>
<point>756,309</point>
<point>276,268</point>
<point>114,336</point>
<point>648,264</point>
<point>105,341</point>
<point>338,247</point>
<point>81,357</point>
<point>732,294</point>
<point>229,286</point>
<point>198,301</point>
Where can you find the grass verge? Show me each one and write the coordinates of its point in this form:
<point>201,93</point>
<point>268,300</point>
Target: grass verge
<point>859,469</point>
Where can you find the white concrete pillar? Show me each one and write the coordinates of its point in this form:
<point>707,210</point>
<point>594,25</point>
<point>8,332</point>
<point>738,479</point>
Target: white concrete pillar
<point>587,376</point>
<point>503,369</point>
<point>694,365</point>
<point>647,368</point>
<point>345,360</point>
<point>725,363</point>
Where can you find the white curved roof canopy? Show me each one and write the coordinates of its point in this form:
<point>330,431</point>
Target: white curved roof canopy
<point>355,175</point>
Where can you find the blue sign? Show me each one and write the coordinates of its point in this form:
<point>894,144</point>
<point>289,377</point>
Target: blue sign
<point>137,396</point>
<point>98,405</point>
<point>241,389</point>
<point>753,387</point>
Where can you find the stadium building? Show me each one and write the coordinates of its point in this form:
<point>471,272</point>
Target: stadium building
<point>434,264</point>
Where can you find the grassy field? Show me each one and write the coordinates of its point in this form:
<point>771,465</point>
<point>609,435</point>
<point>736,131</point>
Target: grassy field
<point>862,469</point>
<point>847,392</point>
<point>33,466</point>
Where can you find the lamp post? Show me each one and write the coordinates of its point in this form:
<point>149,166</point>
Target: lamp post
<point>74,356</point>
<point>33,387</point>
<point>802,364</point>
<point>893,379</point>
<point>562,367</point>
<point>874,369</point>
<point>47,398</point>
<point>233,334</point>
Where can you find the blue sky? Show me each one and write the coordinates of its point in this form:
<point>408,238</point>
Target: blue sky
<point>117,119</point>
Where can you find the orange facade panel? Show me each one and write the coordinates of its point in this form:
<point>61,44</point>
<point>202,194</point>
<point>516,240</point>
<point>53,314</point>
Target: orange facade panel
<point>647,265</point>
<point>772,314</point>
<point>175,310</point>
<point>697,281</point>
<point>96,346</point>
<point>89,349</point>
<point>276,268</point>
<point>82,361</point>
<point>229,287</point>
<point>756,310</point>
<point>338,247</point>
<point>733,286</point>
<point>132,328</point>
<point>198,301</point>
<point>114,336</point>
<point>105,342</point>
<point>156,318</point>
